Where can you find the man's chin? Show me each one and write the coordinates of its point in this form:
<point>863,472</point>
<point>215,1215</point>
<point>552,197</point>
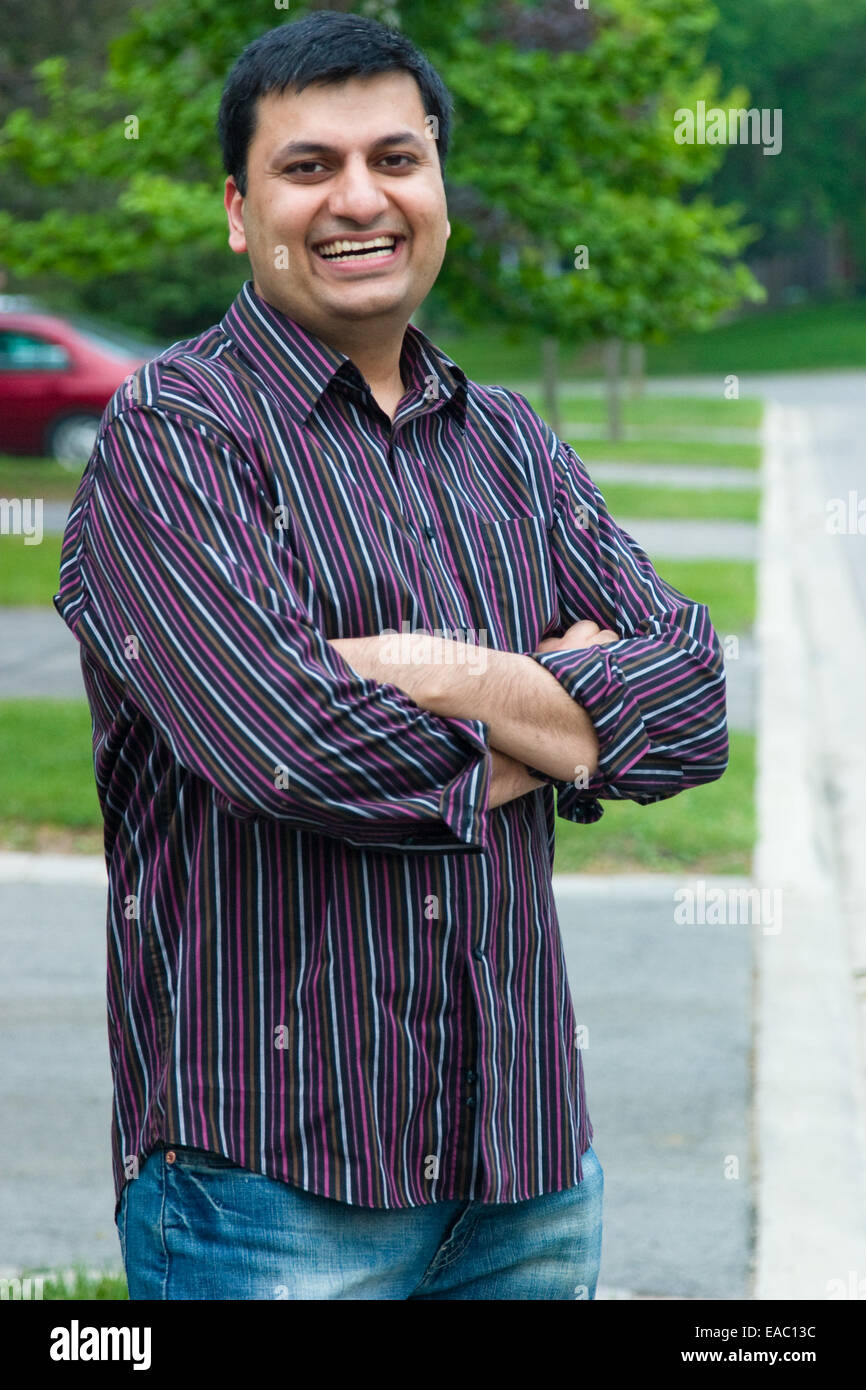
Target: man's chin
<point>372,305</point>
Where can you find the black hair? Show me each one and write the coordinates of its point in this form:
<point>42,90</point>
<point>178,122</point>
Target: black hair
<point>324,47</point>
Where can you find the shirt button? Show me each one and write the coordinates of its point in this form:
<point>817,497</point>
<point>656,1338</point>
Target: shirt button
<point>470,1075</point>
<point>477,953</point>
<point>170,1156</point>
<point>471,1102</point>
<point>430,533</point>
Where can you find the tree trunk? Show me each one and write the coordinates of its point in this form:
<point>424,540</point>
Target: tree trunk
<point>636,361</point>
<point>550,383</point>
<point>613,379</point>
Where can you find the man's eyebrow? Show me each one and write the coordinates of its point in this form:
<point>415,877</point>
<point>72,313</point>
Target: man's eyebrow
<point>307,147</point>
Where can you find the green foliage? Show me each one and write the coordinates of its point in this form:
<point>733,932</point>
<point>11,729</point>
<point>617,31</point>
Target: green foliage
<point>551,150</point>
<point>807,61</point>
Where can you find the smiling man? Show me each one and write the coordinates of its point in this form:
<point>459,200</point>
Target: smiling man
<point>356,199</point>
<point>345,1055</point>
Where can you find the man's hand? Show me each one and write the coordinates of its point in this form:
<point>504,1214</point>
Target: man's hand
<point>584,633</point>
<point>509,779</point>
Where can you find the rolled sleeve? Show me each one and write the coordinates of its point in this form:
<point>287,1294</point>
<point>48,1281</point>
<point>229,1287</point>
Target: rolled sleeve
<point>657,696</point>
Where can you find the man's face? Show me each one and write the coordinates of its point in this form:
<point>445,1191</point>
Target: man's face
<point>334,163</point>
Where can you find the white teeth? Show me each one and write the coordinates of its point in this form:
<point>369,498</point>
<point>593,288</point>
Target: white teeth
<point>340,250</point>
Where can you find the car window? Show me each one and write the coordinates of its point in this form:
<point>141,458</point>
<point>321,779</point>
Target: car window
<point>22,352</point>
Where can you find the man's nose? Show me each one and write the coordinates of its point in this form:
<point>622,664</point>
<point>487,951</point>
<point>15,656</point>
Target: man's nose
<point>355,193</point>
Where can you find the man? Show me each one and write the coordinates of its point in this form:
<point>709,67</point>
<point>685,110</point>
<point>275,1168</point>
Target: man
<point>343,1045</point>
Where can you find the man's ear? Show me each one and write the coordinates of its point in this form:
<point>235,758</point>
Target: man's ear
<point>234,206</point>
<point>447,229</point>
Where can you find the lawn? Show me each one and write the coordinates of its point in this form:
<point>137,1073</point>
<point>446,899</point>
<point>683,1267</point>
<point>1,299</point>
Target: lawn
<point>697,452</point>
<point>49,798</point>
<point>809,337</point>
<point>727,587</point>
<point>46,775</point>
<point>706,830</point>
<point>34,477</point>
<point>660,412</point>
<point>709,829</point>
<point>80,1284</point>
<point>29,574</point>
<point>663,503</point>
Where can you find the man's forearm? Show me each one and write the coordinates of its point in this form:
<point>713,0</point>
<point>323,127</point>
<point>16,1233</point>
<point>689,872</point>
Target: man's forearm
<point>530,716</point>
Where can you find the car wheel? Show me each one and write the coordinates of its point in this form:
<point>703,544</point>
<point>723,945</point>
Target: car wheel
<point>71,440</point>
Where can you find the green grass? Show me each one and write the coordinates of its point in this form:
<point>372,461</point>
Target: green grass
<point>709,829</point>
<point>659,412</point>
<point>677,451</point>
<point>727,587</point>
<point>677,504</point>
<point>46,764</point>
<point>29,574</point>
<point>34,477</point>
<point>814,336</point>
<point>59,1285</point>
<point>494,356</point>
<point>809,337</point>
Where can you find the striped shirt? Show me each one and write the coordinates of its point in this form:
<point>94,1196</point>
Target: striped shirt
<point>328,960</point>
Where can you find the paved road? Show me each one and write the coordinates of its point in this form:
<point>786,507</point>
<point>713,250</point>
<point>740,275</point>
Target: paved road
<point>668,1080</point>
<point>835,403</point>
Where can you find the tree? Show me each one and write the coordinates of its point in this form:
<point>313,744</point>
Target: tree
<point>571,203</point>
<point>809,64</point>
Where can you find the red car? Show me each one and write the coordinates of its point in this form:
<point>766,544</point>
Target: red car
<point>56,377</point>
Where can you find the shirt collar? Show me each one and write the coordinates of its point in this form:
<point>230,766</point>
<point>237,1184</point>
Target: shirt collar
<point>298,367</point>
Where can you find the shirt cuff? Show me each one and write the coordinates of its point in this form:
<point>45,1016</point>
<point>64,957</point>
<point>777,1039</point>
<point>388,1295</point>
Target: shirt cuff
<point>460,806</point>
<point>592,677</point>
<point>463,803</point>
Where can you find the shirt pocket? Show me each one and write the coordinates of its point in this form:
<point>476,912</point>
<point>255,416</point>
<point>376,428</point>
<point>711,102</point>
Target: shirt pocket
<point>506,571</point>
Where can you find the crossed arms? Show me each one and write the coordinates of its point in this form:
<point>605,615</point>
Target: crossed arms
<point>178,584</point>
<point>532,719</point>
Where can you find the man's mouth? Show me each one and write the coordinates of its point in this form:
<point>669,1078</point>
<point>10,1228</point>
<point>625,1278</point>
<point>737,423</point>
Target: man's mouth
<point>349,249</point>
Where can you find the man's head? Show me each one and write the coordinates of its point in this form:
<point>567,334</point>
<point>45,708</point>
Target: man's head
<point>336,128</point>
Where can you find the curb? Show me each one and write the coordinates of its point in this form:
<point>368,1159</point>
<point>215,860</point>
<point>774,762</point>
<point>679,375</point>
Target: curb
<point>809,1103</point>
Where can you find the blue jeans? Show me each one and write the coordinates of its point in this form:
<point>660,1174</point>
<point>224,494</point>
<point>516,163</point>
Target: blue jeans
<point>193,1225</point>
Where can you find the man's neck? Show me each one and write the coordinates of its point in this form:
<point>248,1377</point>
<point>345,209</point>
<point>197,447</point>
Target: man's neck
<point>376,357</point>
<point>378,361</point>
<point>375,348</point>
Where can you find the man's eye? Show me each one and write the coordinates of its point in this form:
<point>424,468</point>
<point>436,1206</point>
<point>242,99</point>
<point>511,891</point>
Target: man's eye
<point>309,166</point>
